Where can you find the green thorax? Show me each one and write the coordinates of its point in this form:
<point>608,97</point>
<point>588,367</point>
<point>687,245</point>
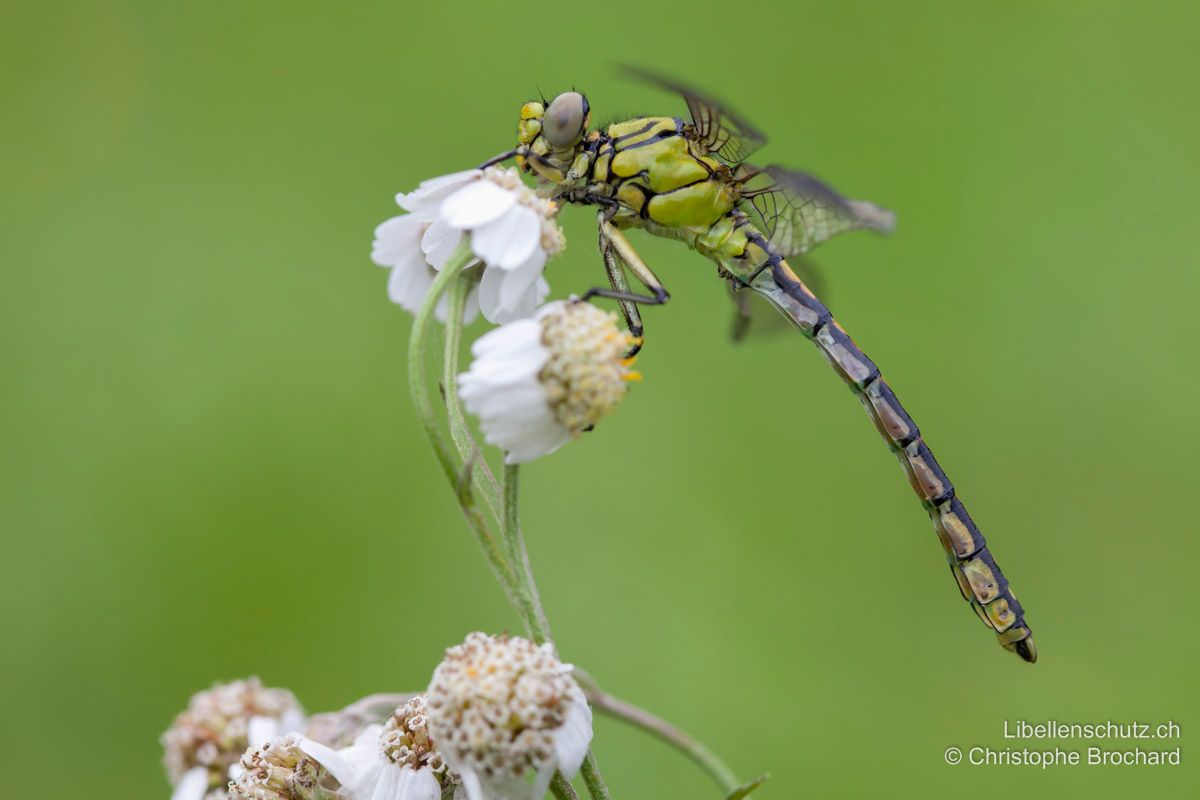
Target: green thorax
<point>663,179</point>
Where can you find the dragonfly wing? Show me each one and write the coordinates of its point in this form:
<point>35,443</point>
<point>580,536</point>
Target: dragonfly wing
<point>798,211</point>
<point>720,130</point>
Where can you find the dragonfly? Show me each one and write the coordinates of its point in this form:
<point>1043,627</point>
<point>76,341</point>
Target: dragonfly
<point>689,180</point>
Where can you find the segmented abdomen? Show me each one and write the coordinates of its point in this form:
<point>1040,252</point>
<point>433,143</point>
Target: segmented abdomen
<point>979,577</point>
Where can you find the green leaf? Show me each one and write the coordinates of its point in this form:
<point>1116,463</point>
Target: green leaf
<point>746,788</point>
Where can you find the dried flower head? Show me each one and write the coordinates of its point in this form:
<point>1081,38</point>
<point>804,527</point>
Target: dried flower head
<point>209,738</point>
<point>279,770</point>
<point>394,761</point>
<point>500,706</point>
<point>405,739</point>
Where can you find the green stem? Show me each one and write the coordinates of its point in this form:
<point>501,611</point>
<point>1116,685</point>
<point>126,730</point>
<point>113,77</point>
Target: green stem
<point>531,602</point>
<point>709,761</point>
<point>562,789</point>
<point>532,610</point>
<point>593,780</point>
<point>483,480</point>
<point>418,386</point>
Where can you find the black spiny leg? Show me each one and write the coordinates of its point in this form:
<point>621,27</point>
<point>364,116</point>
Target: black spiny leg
<point>617,252</point>
<point>616,279</point>
<point>742,313</point>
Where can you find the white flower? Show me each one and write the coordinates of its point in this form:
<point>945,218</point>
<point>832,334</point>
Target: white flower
<point>512,232</point>
<point>204,743</point>
<point>502,706</point>
<point>280,769</point>
<point>395,761</point>
<point>414,246</point>
<point>538,383</point>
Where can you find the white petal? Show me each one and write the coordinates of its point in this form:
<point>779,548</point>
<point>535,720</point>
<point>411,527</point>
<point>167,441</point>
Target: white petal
<point>407,286</point>
<point>572,740</point>
<point>517,336</point>
<point>522,307</point>
<point>470,782</point>
<point>433,191</point>
<point>364,752</point>
<point>193,785</point>
<point>505,296</point>
<point>387,787</point>
<point>509,241</point>
<point>396,239</point>
<point>508,355</point>
<point>419,784</point>
<point>439,242</point>
<point>489,293</point>
<point>518,283</point>
<point>513,410</point>
<point>342,772</point>
<point>368,781</point>
<point>546,441</point>
<point>541,782</point>
<point>507,789</point>
<point>261,730</point>
<point>476,204</point>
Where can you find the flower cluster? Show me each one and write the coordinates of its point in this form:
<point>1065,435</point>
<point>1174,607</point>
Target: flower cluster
<point>405,738</point>
<point>536,384</point>
<point>500,706</point>
<point>496,709</point>
<point>278,770</point>
<point>205,742</point>
<point>548,373</point>
<point>511,229</point>
<point>395,761</point>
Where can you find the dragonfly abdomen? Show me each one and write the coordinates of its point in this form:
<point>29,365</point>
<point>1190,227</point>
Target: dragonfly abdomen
<point>979,578</point>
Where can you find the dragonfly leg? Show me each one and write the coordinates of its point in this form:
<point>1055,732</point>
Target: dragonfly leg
<point>614,239</point>
<point>616,279</point>
<point>618,252</point>
<point>741,315</point>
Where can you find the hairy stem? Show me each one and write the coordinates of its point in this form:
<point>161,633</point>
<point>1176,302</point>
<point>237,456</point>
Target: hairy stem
<point>531,610</point>
<point>690,747</point>
<point>418,386</point>
<point>483,481</point>
<point>562,789</point>
<point>534,613</point>
<point>593,780</point>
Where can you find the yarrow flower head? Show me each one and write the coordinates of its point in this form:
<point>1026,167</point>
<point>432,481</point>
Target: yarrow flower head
<point>280,770</point>
<point>394,761</point>
<point>205,742</point>
<point>538,383</point>
<point>501,706</point>
<point>512,232</point>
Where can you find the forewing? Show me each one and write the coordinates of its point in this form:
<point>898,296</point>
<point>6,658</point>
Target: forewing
<point>720,130</point>
<point>797,211</point>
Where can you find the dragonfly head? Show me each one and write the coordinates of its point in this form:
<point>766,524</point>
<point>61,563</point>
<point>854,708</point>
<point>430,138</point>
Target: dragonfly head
<point>549,137</point>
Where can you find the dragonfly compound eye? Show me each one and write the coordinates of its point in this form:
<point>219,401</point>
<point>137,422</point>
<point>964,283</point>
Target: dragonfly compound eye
<point>565,119</point>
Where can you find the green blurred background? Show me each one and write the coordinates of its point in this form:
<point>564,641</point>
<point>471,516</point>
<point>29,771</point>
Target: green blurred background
<point>211,469</point>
